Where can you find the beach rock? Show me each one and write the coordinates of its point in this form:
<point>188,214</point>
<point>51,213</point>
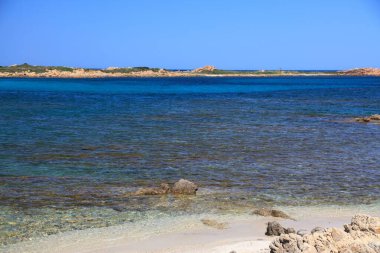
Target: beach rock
<point>291,243</point>
<point>274,229</point>
<point>363,223</point>
<point>359,236</point>
<point>290,231</point>
<point>271,212</point>
<point>184,187</point>
<point>207,68</point>
<point>163,189</point>
<point>370,119</point>
<point>214,224</point>
<point>317,229</point>
<point>302,232</point>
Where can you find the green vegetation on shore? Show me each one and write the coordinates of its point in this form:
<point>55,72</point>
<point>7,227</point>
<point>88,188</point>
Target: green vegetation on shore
<point>129,70</point>
<point>42,69</point>
<point>30,68</point>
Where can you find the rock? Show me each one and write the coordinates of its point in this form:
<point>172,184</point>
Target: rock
<point>290,231</point>
<point>291,243</point>
<point>184,187</point>
<point>207,68</point>
<point>370,119</point>
<point>317,229</point>
<point>274,229</point>
<point>119,208</point>
<point>271,212</point>
<point>363,223</point>
<point>163,189</point>
<point>359,236</point>
<point>375,117</point>
<point>214,224</point>
<point>362,72</point>
<point>302,232</point>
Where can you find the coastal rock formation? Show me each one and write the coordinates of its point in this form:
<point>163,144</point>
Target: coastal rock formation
<point>361,236</point>
<point>362,72</point>
<point>214,224</point>
<point>184,187</point>
<point>163,189</point>
<point>370,119</point>
<point>275,229</point>
<point>207,68</point>
<point>271,213</point>
<point>317,229</point>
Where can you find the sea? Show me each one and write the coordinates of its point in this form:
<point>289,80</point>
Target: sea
<point>73,151</point>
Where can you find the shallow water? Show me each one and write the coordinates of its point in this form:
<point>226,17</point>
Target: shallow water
<point>72,150</point>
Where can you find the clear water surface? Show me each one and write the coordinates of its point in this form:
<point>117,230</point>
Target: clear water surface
<point>73,150</point>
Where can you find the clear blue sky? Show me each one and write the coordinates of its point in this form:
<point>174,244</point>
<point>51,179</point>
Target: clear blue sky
<point>239,34</point>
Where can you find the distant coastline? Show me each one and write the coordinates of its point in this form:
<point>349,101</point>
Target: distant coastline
<point>31,71</point>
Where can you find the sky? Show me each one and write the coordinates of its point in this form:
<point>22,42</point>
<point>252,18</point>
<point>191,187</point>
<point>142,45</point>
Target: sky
<point>173,34</point>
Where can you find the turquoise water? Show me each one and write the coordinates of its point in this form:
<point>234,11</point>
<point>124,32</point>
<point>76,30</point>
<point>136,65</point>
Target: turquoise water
<point>72,150</point>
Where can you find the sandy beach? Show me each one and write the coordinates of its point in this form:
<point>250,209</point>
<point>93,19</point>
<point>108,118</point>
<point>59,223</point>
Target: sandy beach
<point>243,234</point>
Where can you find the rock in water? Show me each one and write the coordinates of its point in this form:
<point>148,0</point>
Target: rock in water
<point>214,224</point>
<point>361,236</point>
<point>163,189</point>
<point>184,187</point>
<point>271,212</point>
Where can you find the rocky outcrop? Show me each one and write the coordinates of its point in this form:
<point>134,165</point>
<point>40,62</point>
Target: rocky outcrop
<point>370,119</point>
<point>185,187</point>
<point>275,229</point>
<point>361,236</point>
<point>207,68</point>
<point>271,213</point>
<point>163,189</point>
<point>362,72</point>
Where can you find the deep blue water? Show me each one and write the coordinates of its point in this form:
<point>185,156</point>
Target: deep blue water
<point>71,143</point>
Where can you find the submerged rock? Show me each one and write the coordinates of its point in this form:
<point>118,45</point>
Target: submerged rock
<point>214,224</point>
<point>360,236</point>
<point>184,187</point>
<point>271,212</point>
<point>163,189</point>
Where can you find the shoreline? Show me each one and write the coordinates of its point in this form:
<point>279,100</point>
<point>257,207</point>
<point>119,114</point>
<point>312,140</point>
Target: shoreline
<point>185,233</point>
<point>30,71</point>
<point>27,76</point>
